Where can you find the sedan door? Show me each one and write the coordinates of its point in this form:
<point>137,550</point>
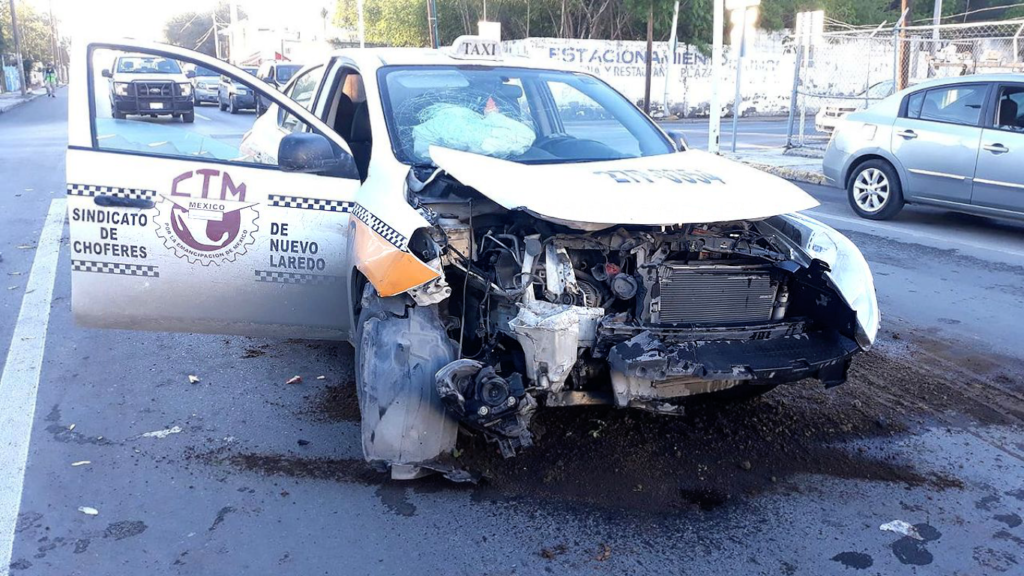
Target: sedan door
<point>936,140</point>
<point>999,182</point>
<point>175,227</point>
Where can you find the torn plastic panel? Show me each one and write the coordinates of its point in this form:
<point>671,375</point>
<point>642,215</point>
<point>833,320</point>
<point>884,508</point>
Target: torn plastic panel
<point>399,349</point>
<point>389,269</point>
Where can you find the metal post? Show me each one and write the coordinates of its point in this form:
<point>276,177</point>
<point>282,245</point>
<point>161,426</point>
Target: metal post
<point>739,75</point>
<point>795,94</point>
<point>216,37</point>
<point>362,27</point>
<point>650,48</point>
<point>936,20</point>
<point>715,121</point>
<point>17,49</point>
<point>672,43</point>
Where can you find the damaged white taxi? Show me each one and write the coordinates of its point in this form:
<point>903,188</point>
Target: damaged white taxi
<point>493,237</point>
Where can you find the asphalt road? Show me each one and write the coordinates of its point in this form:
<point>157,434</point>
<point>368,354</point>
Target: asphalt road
<point>927,431</point>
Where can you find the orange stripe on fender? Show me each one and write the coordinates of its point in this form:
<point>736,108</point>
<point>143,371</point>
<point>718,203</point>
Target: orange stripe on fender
<point>390,270</point>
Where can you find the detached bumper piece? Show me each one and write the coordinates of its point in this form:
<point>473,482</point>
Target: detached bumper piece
<point>645,369</point>
<point>488,403</point>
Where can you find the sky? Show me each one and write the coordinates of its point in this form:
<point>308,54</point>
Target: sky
<point>144,19</point>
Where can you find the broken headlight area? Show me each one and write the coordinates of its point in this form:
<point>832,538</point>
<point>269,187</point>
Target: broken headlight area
<point>545,315</point>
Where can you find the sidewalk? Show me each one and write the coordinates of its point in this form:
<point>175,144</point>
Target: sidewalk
<point>800,166</point>
<point>9,100</point>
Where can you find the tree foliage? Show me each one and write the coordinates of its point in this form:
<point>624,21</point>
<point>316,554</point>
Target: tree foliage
<point>193,30</point>
<point>34,27</point>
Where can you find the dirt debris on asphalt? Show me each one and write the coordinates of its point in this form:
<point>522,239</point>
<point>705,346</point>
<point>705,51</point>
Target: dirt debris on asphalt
<point>716,453</point>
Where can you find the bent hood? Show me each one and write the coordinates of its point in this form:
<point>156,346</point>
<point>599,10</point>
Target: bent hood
<point>686,188</point>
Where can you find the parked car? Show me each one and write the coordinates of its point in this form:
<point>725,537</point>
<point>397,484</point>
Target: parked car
<point>234,96</point>
<point>485,258</point>
<point>955,143</point>
<point>205,85</point>
<point>149,85</point>
<point>830,114</point>
<point>276,74</point>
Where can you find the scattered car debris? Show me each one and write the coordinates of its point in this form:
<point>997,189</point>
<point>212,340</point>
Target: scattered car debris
<point>160,434</point>
<point>604,553</point>
<point>88,511</point>
<point>71,427</point>
<point>81,463</point>
<point>193,379</point>
<point>901,527</point>
<point>294,380</point>
<point>26,246</point>
<point>321,377</point>
<point>553,552</point>
<point>304,442</point>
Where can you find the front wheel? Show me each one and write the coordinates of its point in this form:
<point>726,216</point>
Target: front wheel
<point>399,348</point>
<point>188,117</point>
<point>232,106</point>
<point>874,190</point>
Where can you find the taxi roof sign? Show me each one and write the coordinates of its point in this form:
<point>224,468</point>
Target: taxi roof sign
<point>476,48</point>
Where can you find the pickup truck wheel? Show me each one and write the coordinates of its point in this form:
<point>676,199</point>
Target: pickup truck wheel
<point>221,105</point>
<point>398,350</point>
<point>874,190</point>
<point>119,115</point>
<point>188,117</point>
<point>232,107</point>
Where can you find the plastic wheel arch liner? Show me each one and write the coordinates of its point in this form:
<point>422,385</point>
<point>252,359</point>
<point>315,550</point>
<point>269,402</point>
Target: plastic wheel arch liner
<point>381,254</point>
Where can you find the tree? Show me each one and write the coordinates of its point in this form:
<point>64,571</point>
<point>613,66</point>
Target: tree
<point>387,22</point>
<point>35,34</point>
<point>194,30</point>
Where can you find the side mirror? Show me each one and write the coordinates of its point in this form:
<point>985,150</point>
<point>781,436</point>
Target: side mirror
<point>313,153</point>
<point>190,74</point>
<point>106,73</point>
<point>679,139</point>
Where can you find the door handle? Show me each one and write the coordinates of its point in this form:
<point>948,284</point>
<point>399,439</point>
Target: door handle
<point>908,134</point>
<point>996,148</point>
<point>120,202</point>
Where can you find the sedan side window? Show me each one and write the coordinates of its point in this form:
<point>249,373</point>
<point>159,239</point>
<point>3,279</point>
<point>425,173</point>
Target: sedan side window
<point>302,91</point>
<point>951,104</point>
<point>1010,109</point>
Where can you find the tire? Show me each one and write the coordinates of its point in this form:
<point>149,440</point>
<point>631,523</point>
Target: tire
<point>119,115</point>
<point>874,190</point>
<point>221,104</point>
<point>189,117</point>
<point>232,107</point>
<point>398,350</point>
<point>175,115</point>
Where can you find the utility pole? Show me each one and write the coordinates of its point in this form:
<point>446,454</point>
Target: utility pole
<point>432,23</point>
<point>936,20</point>
<point>216,37</point>
<point>715,121</point>
<point>672,43</point>
<point>17,49</point>
<point>362,26</point>
<point>233,55</point>
<point>903,65</point>
<point>650,46</point>
<point>53,44</point>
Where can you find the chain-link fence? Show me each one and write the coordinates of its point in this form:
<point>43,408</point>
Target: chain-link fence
<point>841,72</point>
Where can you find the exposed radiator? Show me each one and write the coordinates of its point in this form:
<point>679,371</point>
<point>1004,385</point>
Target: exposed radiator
<point>712,294</point>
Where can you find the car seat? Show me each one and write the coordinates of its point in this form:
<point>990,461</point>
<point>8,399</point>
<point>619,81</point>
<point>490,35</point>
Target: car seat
<point>1008,110</point>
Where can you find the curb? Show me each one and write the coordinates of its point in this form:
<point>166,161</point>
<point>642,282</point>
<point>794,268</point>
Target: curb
<point>30,98</point>
<point>797,174</point>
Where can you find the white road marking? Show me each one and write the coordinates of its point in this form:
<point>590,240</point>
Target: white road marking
<point>20,379</point>
<point>198,115</point>
<point>934,237</point>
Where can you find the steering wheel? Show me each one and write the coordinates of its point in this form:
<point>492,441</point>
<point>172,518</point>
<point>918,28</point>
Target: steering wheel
<point>544,141</point>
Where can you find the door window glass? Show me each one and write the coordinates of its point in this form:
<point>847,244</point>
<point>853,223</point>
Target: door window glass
<point>953,104</point>
<point>302,92</point>
<point>914,105</point>
<point>1010,109</point>
<point>155,105</point>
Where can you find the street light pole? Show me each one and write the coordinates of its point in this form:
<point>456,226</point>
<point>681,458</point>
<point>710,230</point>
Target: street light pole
<point>672,42</point>
<point>715,121</point>
<point>17,49</point>
<point>739,74</point>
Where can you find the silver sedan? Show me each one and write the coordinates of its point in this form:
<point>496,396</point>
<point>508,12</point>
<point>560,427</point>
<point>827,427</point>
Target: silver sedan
<point>955,143</point>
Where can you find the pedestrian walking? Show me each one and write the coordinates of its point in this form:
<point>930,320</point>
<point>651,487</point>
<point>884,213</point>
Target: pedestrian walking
<point>50,79</point>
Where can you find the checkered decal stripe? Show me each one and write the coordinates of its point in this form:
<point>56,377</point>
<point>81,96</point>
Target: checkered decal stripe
<point>115,268</point>
<point>295,278</point>
<point>310,203</point>
<point>91,190</point>
<point>380,227</point>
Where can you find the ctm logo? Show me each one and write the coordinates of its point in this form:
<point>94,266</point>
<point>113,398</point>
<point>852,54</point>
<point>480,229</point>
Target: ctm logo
<point>207,208</point>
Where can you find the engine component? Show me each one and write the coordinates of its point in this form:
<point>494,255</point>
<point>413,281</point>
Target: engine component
<point>624,286</point>
<point>704,294</point>
<point>551,335</point>
<point>488,403</point>
<point>560,280</point>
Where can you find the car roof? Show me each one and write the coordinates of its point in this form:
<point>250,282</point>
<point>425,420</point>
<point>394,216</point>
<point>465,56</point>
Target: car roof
<point>969,79</point>
<point>374,58</point>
